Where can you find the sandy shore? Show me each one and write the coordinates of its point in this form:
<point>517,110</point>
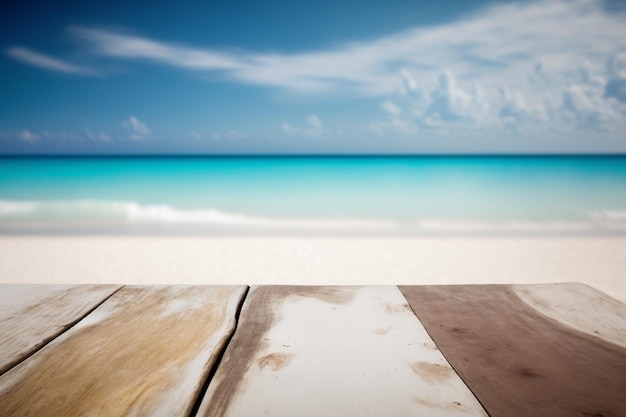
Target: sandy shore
<point>597,261</point>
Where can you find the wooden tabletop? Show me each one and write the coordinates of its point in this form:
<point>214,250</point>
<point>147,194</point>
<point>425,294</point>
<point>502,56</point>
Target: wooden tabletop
<point>470,350</point>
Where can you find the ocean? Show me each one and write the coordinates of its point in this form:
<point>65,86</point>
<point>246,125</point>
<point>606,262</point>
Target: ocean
<point>373,195</point>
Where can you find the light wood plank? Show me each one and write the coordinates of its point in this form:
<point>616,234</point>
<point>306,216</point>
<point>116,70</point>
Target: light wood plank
<point>580,307</point>
<point>145,351</point>
<point>333,351</point>
<point>519,361</point>
<point>32,315</point>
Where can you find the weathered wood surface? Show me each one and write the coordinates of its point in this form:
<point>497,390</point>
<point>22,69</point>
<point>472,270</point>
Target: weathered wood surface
<point>145,351</point>
<point>333,351</point>
<point>578,306</point>
<point>538,355</point>
<point>32,315</point>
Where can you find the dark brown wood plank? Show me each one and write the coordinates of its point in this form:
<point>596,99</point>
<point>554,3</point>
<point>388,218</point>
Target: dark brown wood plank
<point>146,351</point>
<point>517,361</point>
<point>31,315</point>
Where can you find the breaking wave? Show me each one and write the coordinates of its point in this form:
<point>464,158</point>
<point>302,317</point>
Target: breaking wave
<point>113,210</point>
<point>34,215</point>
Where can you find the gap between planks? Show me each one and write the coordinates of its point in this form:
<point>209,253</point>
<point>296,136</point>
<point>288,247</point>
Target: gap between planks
<point>446,357</point>
<point>135,317</point>
<point>202,392</point>
<point>205,385</point>
<point>210,374</point>
<point>67,328</point>
<point>212,371</point>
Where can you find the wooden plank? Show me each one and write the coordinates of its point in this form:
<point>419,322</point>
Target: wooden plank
<point>145,351</point>
<point>340,351</point>
<point>520,362</point>
<point>578,306</point>
<point>32,315</point>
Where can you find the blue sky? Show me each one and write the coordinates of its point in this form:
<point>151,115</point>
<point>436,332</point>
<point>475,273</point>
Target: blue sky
<point>316,77</point>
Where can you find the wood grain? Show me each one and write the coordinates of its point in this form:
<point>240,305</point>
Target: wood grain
<point>578,306</point>
<point>333,351</point>
<point>518,361</point>
<point>145,351</point>
<point>32,315</point>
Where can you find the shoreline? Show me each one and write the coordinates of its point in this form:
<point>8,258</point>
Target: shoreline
<point>136,260</point>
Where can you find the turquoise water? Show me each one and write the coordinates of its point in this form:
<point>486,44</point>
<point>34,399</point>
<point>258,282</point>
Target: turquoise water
<point>406,195</point>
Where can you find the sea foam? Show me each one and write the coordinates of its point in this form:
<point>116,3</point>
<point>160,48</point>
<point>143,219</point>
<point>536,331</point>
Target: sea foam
<point>120,214</point>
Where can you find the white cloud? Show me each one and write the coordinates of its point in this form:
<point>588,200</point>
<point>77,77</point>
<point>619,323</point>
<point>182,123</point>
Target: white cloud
<point>314,128</point>
<point>443,105</point>
<point>409,84</point>
<point>514,107</point>
<point>503,40</point>
<point>132,46</point>
<point>390,107</point>
<point>314,122</point>
<point>448,102</point>
<point>558,65</point>
<point>98,137</point>
<point>286,127</point>
<point>37,59</point>
<point>138,129</point>
<point>376,128</point>
<point>398,121</point>
<point>540,62</point>
<point>70,137</point>
<point>28,136</point>
<point>394,125</point>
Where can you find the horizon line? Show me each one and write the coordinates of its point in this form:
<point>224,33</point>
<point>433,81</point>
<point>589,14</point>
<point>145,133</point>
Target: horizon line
<point>307,155</point>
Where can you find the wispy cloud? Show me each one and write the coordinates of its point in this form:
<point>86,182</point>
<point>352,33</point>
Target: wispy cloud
<point>131,46</point>
<point>96,136</point>
<point>40,60</point>
<point>314,128</point>
<point>48,136</point>
<point>526,62</point>
<point>502,41</point>
<point>138,129</point>
<point>549,64</point>
<point>28,136</point>
<point>390,107</point>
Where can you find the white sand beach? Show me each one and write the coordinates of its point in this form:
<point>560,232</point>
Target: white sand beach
<point>597,261</point>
